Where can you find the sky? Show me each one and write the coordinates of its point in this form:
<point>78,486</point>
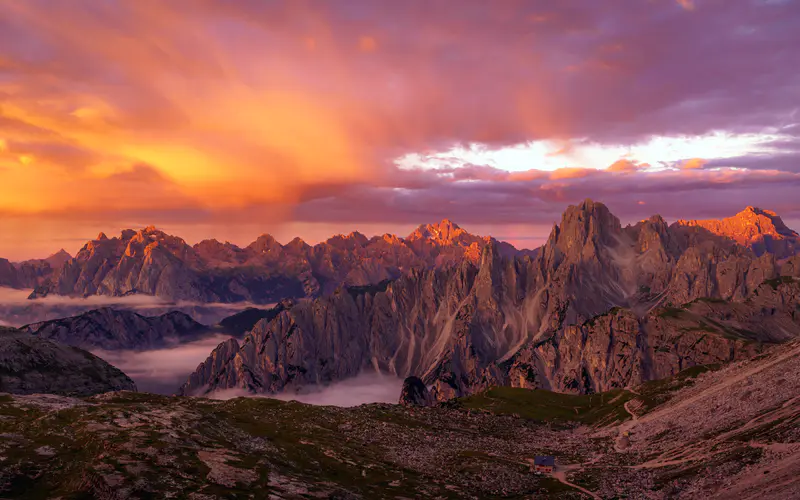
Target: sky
<point>310,118</point>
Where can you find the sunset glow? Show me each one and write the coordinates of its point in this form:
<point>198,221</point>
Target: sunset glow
<point>240,118</point>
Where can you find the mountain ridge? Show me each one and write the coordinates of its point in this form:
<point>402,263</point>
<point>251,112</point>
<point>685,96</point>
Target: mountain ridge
<point>152,262</point>
<point>534,322</point>
<point>111,329</point>
<point>267,271</point>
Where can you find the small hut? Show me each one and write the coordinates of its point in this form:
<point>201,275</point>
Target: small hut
<point>544,464</point>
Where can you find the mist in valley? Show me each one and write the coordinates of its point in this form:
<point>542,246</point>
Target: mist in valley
<point>162,371</point>
<point>17,310</point>
<point>368,387</point>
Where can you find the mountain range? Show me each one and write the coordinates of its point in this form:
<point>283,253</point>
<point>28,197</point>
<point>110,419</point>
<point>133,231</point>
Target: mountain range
<point>599,306</point>
<point>151,262</point>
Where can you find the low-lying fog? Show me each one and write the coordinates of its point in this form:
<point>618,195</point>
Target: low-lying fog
<point>17,310</point>
<point>162,371</point>
<point>369,387</point>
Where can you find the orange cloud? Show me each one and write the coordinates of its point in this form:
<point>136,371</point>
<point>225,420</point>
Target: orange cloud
<point>150,108</point>
<point>571,173</point>
<point>686,4</point>
<point>624,165</point>
<point>693,164</point>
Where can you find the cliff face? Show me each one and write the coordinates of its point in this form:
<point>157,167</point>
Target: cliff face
<point>154,263</point>
<point>547,321</point>
<point>112,329</point>
<point>31,365</point>
<point>760,230</point>
<point>31,273</point>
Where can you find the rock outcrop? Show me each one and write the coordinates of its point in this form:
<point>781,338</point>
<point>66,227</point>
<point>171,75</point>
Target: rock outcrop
<point>761,231</point>
<point>243,321</point>
<point>600,306</point>
<point>31,273</point>
<point>112,329</point>
<point>415,393</point>
<point>152,262</point>
<point>30,365</point>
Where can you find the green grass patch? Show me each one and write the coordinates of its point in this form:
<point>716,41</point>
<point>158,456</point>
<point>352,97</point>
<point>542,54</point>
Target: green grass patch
<point>656,392</point>
<point>781,280</point>
<point>547,406</point>
<point>671,312</point>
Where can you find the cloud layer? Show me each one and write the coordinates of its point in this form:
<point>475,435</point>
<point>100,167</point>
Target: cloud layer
<point>202,112</point>
<point>365,388</point>
<point>162,371</point>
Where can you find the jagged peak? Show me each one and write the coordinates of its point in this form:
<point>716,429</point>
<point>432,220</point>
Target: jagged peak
<point>216,244</point>
<point>444,232</point>
<point>353,235</point>
<point>264,238</point>
<point>757,211</point>
<point>392,239</point>
<point>297,242</point>
<point>587,219</point>
<point>58,258</point>
<point>101,237</point>
<point>752,220</point>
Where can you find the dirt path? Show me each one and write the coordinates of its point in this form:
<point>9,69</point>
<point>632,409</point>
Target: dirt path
<point>561,475</point>
<point>633,415</point>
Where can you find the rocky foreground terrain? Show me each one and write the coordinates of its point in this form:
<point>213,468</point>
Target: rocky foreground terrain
<point>599,307</point>
<point>656,441</point>
<point>30,364</point>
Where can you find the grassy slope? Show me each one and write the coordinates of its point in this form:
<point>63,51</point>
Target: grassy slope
<point>546,406</point>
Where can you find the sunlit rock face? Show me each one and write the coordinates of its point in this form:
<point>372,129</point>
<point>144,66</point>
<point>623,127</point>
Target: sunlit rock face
<point>152,262</point>
<point>760,230</point>
<point>600,306</point>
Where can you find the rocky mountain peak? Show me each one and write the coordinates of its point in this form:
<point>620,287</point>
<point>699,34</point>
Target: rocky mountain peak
<point>59,258</point>
<point>349,241</point>
<point>264,244</point>
<point>102,236</point>
<point>445,232</point>
<point>297,244</point>
<point>758,229</point>
<point>391,239</point>
<point>585,225</point>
